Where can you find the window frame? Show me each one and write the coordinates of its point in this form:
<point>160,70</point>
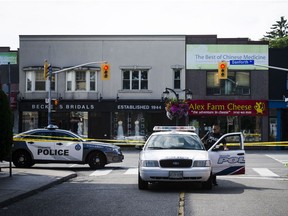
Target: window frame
<point>31,81</point>
<point>71,82</point>
<point>140,79</point>
<point>229,86</point>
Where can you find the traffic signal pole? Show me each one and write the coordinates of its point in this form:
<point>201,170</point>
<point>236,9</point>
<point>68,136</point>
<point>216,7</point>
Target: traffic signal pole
<point>49,67</point>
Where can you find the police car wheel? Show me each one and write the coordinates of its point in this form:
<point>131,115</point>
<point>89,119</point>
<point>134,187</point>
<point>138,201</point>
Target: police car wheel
<point>142,185</point>
<point>207,185</point>
<point>96,160</point>
<point>22,159</point>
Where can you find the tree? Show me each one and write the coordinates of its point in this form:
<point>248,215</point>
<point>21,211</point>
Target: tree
<point>6,126</point>
<point>279,30</point>
<point>278,37</point>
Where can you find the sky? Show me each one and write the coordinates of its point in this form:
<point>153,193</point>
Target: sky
<point>224,18</point>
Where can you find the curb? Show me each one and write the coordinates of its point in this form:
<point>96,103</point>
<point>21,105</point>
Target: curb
<point>34,191</point>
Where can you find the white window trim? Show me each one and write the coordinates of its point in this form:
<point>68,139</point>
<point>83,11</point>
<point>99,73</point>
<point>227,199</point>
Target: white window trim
<point>72,78</point>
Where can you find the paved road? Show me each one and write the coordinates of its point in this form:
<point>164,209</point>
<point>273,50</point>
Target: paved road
<point>113,191</point>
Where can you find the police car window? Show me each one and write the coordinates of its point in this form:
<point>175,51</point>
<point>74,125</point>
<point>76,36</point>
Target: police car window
<point>40,135</point>
<point>57,135</point>
<point>175,142</point>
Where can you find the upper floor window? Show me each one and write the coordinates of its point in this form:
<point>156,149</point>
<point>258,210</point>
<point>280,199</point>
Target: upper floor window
<point>177,80</point>
<point>135,79</point>
<point>81,80</point>
<point>35,81</point>
<point>237,83</point>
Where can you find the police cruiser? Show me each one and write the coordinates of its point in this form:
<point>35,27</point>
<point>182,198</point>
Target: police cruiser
<point>177,154</point>
<point>53,145</point>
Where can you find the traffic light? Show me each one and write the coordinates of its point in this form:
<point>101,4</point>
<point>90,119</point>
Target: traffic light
<point>46,69</point>
<point>105,71</point>
<point>222,70</point>
<point>55,103</point>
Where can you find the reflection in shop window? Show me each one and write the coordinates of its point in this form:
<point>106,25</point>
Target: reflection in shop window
<point>79,123</point>
<point>29,120</point>
<point>237,83</point>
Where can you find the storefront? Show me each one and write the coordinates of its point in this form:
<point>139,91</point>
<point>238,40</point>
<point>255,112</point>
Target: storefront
<point>95,119</point>
<point>278,124</point>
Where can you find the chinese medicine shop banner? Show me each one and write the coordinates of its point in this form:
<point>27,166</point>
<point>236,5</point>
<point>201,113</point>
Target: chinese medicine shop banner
<point>206,56</point>
<point>228,108</point>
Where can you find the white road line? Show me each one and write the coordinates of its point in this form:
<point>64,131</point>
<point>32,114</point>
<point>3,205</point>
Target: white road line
<point>132,171</point>
<point>265,172</point>
<point>280,161</point>
<point>101,172</point>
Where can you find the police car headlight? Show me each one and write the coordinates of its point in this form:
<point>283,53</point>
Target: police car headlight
<point>116,150</point>
<point>202,163</point>
<point>150,163</point>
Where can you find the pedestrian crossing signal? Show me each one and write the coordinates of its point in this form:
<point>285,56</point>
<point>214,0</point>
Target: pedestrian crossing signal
<point>105,71</point>
<point>222,70</point>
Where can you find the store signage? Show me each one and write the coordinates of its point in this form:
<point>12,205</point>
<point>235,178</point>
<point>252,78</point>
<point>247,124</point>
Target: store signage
<point>8,57</point>
<point>139,107</point>
<point>206,56</point>
<point>241,62</point>
<point>228,107</point>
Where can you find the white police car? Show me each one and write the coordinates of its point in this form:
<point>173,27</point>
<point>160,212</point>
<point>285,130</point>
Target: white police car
<point>176,154</point>
<point>53,145</point>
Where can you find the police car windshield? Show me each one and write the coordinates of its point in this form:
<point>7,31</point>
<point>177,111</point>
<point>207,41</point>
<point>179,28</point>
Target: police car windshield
<point>175,141</point>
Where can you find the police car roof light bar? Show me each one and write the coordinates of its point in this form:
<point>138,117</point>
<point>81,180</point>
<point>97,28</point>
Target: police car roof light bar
<point>178,128</point>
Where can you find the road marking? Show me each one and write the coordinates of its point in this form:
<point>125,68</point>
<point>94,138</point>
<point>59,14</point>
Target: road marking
<point>101,172</point>
<point>280,161</point>
<point>131,171</point>
<point>181,204</point>
<point>265,172</point>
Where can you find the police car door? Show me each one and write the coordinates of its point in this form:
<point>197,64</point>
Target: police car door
<point>231,161</point>
<point>40,145</point>
<point>67,148</point>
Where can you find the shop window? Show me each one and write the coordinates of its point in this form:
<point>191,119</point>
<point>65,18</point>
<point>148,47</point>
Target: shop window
<point>129,126</point>
<point>237,83</point>
<point>177,80</point>
<point>135,79</point>
<point>35,81</point>
<point>29,120</point>
<point>81,80</point>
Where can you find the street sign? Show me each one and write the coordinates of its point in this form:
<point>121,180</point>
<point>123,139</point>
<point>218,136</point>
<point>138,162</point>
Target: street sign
<point>241,62</point>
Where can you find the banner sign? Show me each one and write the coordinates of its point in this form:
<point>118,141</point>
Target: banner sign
<point>8,57</point>
<point>207,56</point>
<point>228,108</point>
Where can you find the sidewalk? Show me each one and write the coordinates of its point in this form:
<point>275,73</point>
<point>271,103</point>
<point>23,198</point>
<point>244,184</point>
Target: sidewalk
<point>26,182</point>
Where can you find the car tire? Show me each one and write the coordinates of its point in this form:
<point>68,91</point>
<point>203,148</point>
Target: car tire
<point>96,160</point>
<point>207,185</point>
<point>142,185</point>
<point>22,159</point>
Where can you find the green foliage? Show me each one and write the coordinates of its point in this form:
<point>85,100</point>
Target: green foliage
<point>279,43</point>
<point>279,30</point>
<point>6,126</point>
<point>278,36</point>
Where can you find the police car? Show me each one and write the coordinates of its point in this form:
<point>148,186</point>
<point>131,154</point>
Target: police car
<point>53,145</point>
<point>176,154</point>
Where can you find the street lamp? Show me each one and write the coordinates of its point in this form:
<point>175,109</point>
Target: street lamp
<point>188,96</point>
